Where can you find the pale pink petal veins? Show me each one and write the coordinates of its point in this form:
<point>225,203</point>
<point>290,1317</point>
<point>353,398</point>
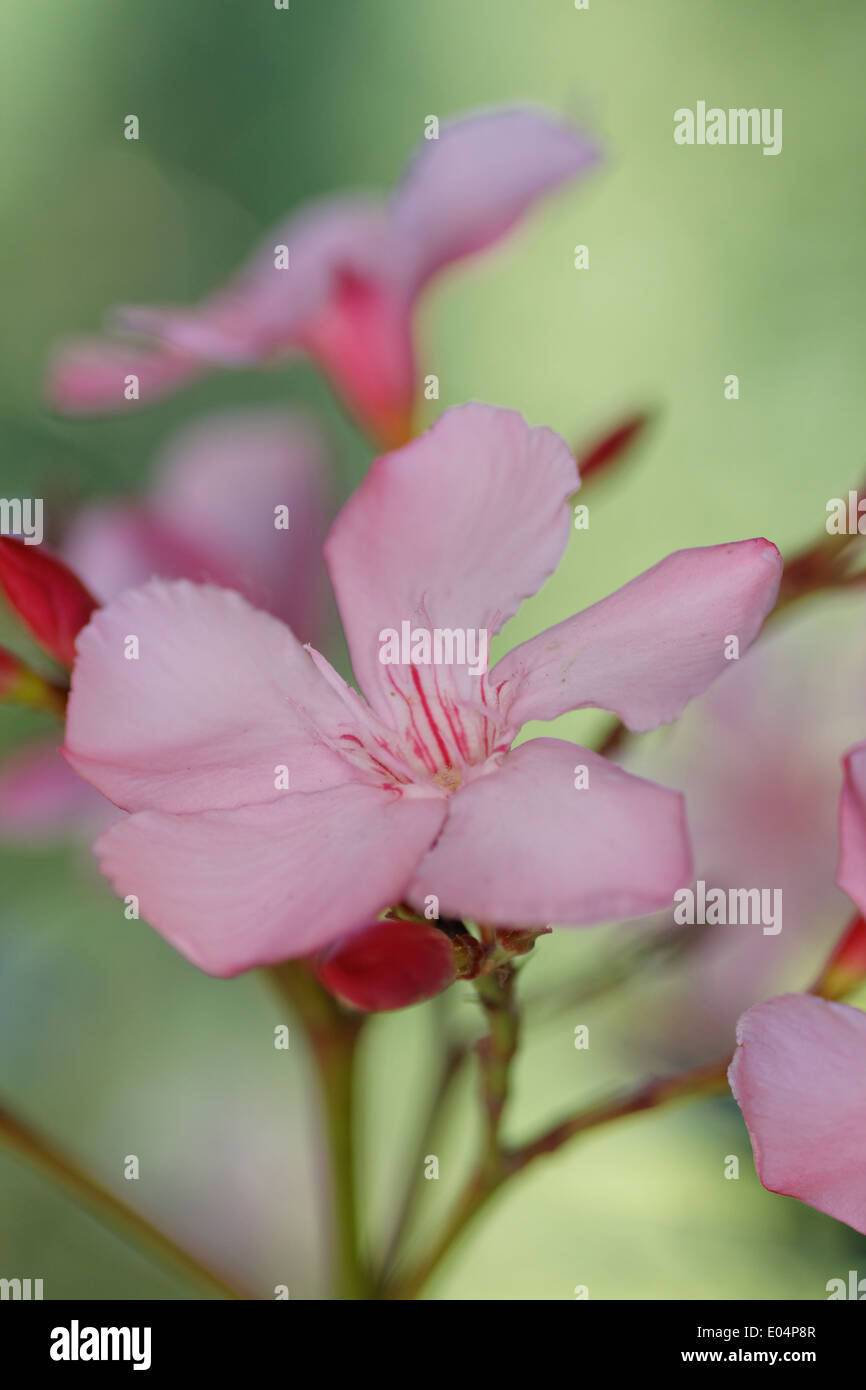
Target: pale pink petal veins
<point>454,530</point>
<point>852,828</point>
<point>219,697</point>
<point>525,847</point>
<point>649,648</point>
<point>799,1077</point>
<point>92,374</point>
<point>468,188</point>
<point>240,888</point>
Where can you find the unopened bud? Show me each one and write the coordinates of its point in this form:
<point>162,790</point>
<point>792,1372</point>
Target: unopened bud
<point>49,599</point>
<point>846,968</point>
<point>388,964</point>
<point>611,447</point>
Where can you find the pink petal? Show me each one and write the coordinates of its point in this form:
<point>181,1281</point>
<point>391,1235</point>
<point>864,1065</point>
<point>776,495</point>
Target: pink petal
<point>234,889</point>
<point>219,698</point>
<point>468,188</point>
<point>120,545</point>
<point>852,828</point>
<point>264,308</point>
<point>757,758</point>
<point>41,797</point>
<point>649,648</point>
<point>362,339</point>
<point>90,375</point>
<point>799,1077</point>
<point>218,485</point>
<point>211,518</point>
<point>523,847</point>
<point>454,530</point>
<point>342,301</point>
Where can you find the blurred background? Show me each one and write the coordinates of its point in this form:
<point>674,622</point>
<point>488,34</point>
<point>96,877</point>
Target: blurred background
<point>703,262</point>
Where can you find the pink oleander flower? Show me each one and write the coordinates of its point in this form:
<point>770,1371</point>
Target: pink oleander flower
<point>339,281</point>
<point>272,809</point>
<point>799,1077</point>
<point>757,758</point>
<point>208,514</point>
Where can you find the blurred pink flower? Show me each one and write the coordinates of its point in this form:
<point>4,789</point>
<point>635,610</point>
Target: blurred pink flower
<point>413,792</point>
<point>758,760</point>
<point>799,1077</point>
<point>208,515</point>
<point>852,827</point>
<point>355,269</point>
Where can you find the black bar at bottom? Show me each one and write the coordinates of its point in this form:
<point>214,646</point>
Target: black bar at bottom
<point>84,1338</point>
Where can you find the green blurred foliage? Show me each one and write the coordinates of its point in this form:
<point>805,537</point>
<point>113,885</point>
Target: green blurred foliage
<point>703,262</point>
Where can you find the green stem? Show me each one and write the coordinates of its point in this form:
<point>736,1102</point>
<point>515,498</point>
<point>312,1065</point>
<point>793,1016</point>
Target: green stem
<point>454,1059</point>
<point>110,1210</point>
<point>332,1037</point>
<point>488,1178</point>
<point>496,1052</point>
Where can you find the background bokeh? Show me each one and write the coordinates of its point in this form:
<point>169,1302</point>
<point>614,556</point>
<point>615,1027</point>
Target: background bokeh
<point>704,262</point>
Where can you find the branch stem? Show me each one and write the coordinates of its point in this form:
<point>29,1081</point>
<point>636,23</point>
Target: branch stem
<point>332,1037</point>
<point>31,1146</point>
<point>489,1176</point>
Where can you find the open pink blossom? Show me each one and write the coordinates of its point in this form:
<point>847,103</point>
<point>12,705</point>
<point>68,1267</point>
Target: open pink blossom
<point>339,280</point>
<point>799,1077</point>
<point>758,760</point>
<point>273,809</point>
<point>209,514</point>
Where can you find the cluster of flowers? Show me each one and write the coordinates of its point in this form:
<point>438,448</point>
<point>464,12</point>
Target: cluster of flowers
<point>413,790</point>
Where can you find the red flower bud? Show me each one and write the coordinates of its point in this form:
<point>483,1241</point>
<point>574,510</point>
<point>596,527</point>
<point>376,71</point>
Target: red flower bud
<point>611,446</point>
<point>388,965</point>
<point>48,598</point>
<point>846,968</point>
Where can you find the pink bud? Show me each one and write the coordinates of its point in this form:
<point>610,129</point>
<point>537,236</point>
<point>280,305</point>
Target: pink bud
<point>612,446</point>
<point>48,598</point>
<point>846,968</point>
<point>388,965</point>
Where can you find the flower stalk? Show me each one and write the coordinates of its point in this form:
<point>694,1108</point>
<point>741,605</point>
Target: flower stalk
<point>332,1037</point>
<point>130,1225</point>
<point>490,1176</point>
